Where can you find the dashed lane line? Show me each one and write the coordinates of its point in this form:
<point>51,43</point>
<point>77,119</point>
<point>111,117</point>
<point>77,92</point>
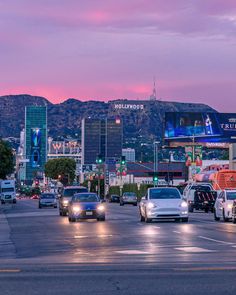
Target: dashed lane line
<point>195,250</point>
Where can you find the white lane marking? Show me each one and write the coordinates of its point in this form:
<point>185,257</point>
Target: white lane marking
<point>140,224</point>
<point>157,226</point>
<point>51,212</point>
<point>97,236</point>
<point>177,232</point>
<point>194,250</point>
<point>217,241</point>
<point>132,252</point>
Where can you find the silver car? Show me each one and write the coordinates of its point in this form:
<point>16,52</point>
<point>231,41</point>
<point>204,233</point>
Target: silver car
<point>128,198</point>
<point>47,200</point>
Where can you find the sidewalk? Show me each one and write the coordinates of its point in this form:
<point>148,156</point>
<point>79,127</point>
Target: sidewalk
<point>7,248</point>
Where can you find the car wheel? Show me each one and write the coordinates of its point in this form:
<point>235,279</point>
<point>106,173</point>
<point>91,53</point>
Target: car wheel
<point>72,219</point>
<point>142,219</point>
<point>40,207</point>
<point>64,213</point>
<point>147,220</point>
<point>226,219</point>
<point>55,206</point>
<point>185,219</point>
<point>69,219</point>
<point>135,204</point>
<point>215,217</point>
<point>14,201</point>
<point>121,204</point>
<point>190,208</point>
<point>60,213</point>
<point>234,220</point>
<point>2,202</point>
<point>206,210</point>
<point>101,219</point>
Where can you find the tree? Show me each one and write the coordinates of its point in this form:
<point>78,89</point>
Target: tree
<point>6,160</point>
<point>62,169</point>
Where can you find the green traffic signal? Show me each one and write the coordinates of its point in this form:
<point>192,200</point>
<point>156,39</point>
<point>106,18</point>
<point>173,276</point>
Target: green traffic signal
<point>123,161</point>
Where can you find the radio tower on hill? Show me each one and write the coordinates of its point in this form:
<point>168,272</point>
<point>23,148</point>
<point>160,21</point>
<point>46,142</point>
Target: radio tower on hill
<point>153,96</point>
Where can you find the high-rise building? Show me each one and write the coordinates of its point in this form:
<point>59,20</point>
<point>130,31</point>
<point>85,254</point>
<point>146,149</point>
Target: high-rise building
<point>129,154</point>
<point>102,137</point>
<point>35,147</point>
<point>91,140</point>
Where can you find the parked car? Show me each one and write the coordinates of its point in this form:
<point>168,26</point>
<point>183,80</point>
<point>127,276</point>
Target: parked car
<point>66,195</point>
<point>128,198</point>
<point>224,205</point>
<point>86,206</point>
<point>47,200</point>
<point>114,199</point>
<point>163,203</point>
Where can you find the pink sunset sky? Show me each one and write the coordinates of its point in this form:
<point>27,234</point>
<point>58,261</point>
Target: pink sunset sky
<point>111,49</point>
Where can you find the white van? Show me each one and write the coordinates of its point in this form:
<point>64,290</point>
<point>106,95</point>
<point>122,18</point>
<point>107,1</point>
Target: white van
<point>7,191</point>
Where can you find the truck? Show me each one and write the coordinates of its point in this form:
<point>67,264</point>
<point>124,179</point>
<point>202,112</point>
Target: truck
<point>200,196</point>
<point>8,191</point>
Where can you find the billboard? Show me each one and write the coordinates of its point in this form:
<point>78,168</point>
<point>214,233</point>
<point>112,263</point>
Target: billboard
<point>35,147</point>
<point>202,127</point>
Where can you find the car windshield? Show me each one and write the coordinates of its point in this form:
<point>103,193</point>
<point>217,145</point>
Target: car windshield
<point>231,196</point>
<point>83,198</point>
<point>47,196</point>
<point>205,188</point>
<point>7,189</point>
<point>162,194</point>
<point>69,192</point>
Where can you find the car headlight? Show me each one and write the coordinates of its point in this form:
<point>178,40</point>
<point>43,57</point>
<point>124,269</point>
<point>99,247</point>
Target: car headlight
<point>65,202</point>
<point>150,205</point>
<point>230,206</point>
<point>76,209</point>
<point>184,204</point>
<point>101,208</point>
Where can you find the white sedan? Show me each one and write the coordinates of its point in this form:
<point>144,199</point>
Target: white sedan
<point>223,205</point>
<point>163,203</point>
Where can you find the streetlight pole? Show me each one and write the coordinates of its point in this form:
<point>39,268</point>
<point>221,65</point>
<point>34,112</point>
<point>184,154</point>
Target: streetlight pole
<point>155,168</point>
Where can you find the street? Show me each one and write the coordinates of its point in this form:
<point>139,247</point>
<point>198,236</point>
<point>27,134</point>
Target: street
<point>42,253</point>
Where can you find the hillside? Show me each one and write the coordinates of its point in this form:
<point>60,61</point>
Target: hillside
<point>141,118</point>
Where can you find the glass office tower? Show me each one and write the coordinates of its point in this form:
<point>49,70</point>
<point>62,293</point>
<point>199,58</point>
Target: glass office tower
<point>35,142</point>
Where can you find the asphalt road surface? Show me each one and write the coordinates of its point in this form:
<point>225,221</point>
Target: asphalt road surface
<point>42,253</point>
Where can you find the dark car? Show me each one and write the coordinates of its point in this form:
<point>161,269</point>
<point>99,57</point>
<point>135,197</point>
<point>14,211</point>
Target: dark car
<point>128,198</point>
<point>66,196</point>
<point>114,199</point>
<point>47,200</point>
<point>86,206</point>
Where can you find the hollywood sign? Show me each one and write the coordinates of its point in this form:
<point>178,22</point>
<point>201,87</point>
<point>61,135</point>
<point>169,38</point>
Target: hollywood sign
<point>129,106</point>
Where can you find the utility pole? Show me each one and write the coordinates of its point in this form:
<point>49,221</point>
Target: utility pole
<point>155,167</point>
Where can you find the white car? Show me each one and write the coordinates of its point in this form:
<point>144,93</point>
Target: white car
<point>223,205</point>
<point>163,203</point>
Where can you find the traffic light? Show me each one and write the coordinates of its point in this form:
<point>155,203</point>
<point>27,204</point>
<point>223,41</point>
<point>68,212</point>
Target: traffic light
<point>123,161</point>
<point>155,177</point>
<point>99,159</point>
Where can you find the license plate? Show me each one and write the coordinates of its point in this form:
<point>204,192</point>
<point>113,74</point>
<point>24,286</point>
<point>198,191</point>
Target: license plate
<point>89,213</point>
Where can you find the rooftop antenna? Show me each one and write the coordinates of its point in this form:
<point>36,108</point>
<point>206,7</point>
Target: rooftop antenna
<point>153,96</point>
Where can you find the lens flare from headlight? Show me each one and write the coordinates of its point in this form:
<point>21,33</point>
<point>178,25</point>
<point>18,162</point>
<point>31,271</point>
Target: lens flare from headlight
<point>76,209</point>
<point>65,202</point>
<point>101,208</point>
<point>184,204</point>
<point>150,205</point>
<point>230,206</point>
